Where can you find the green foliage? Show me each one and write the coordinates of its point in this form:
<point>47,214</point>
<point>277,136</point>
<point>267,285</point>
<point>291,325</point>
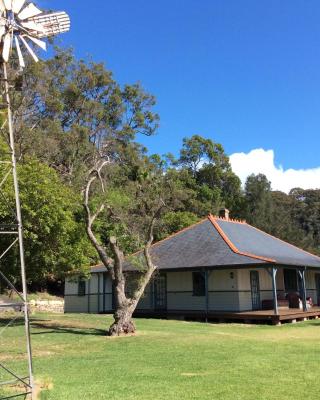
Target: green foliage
<point>135,190</point>
<point>68,114</point>
<point>259,201</point>
<point>4,154</point>
<point>294,217</point>
<point>55,240</point>
<point>204,171</point>
<point>175,221</point>
<point>198,150</point>
<point>76,108</point>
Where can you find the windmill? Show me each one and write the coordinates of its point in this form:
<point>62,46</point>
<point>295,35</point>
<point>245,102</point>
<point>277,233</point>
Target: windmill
<point>23,26</point>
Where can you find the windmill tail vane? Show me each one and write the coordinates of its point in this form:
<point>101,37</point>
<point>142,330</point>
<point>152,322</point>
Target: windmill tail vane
<point>22,24</point>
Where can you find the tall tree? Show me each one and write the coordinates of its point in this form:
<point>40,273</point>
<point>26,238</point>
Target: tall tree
<point>82,123</point>
<point>258,201</point>
<point>306,215</point>
<point>197,151</point>
<point>132,210</point>
<point>210,175</point>
<point>68,109</point>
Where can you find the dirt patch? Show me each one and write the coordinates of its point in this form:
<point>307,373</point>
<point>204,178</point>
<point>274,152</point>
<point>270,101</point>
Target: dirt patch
<point>15,357</point>
<point>37,392</point>
<point>43,353</point>
<point>41,386</point>
<point>123,336</point>
<point>190,374</point>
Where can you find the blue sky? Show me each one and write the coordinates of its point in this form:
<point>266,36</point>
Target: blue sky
<point>245,73</point>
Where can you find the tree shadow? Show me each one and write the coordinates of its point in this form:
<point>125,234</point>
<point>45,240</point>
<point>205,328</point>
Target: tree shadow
<point>15,321</point>
<point>48,327</point>
<point>73,330</point>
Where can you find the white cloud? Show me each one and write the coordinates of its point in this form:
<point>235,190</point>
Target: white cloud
<point>262,161</point>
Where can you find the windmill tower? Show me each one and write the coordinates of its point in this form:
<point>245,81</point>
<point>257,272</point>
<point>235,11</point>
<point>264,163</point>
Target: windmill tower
<point>22,25</point>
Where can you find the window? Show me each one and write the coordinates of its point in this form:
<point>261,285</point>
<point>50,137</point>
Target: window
<point>199,284</point>
<point>81,287</point>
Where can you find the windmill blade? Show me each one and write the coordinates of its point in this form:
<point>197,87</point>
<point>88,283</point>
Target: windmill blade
<point>8,4</point>
<point>6,47</point>
<point>30,11</point>
<point>38,42</point>
<point>20,56</point>
<point>36,59</point>
<point>33,26</point>
<point>17,5</point>
<point>53,23</point>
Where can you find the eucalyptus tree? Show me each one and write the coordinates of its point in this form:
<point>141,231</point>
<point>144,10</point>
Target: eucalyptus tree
<point>123,204</point>
<point>206,170</point>
<point>258,201</point>
<point>73,116</point>
<point>69,109</point>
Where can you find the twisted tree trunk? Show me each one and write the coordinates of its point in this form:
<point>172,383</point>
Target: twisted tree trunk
<point>125,306</point>
<point>123,322</point>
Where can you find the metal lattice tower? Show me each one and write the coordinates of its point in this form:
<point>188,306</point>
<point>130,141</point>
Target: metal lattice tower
<point>20,22</point>
<point>13,230</point>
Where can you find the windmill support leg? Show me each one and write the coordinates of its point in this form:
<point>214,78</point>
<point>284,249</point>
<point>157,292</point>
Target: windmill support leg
<point>16,25</point>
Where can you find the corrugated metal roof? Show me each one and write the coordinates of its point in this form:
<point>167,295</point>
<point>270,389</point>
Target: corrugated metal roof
<point>216,242</point>
<point>248,239</point>
<point>199,246</point>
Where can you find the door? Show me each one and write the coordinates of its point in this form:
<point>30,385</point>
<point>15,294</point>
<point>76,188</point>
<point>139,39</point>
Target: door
<point>255,290</point>
<point>318,288</point>
<point>160,292</point>
<point>290,280</point>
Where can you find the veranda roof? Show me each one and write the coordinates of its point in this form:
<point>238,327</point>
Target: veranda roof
<point>248,239</point>
<point>217,242</point>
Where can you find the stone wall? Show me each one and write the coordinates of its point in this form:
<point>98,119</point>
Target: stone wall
<point>54,306</point>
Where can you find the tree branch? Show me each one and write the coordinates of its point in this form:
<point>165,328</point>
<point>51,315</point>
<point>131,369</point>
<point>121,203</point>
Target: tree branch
<point>147,255</point>
<point>95,174</point>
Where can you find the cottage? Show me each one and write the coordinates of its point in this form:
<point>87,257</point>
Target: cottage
<point>217,268</point>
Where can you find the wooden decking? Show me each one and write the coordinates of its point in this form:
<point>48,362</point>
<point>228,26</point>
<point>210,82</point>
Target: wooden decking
<point>284,315</point>
<point>262,316</point>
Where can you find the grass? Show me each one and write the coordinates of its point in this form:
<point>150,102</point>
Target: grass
<point>170,360</point>
<point>43,296</point>
<point>32,296</point>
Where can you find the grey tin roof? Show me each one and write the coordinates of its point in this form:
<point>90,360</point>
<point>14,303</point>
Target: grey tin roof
<point>198,246</point>
<point>248,239</point>
<point>216,242</point>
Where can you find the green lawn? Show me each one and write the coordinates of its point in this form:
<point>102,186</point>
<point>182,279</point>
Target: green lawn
<point>171,360</point>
